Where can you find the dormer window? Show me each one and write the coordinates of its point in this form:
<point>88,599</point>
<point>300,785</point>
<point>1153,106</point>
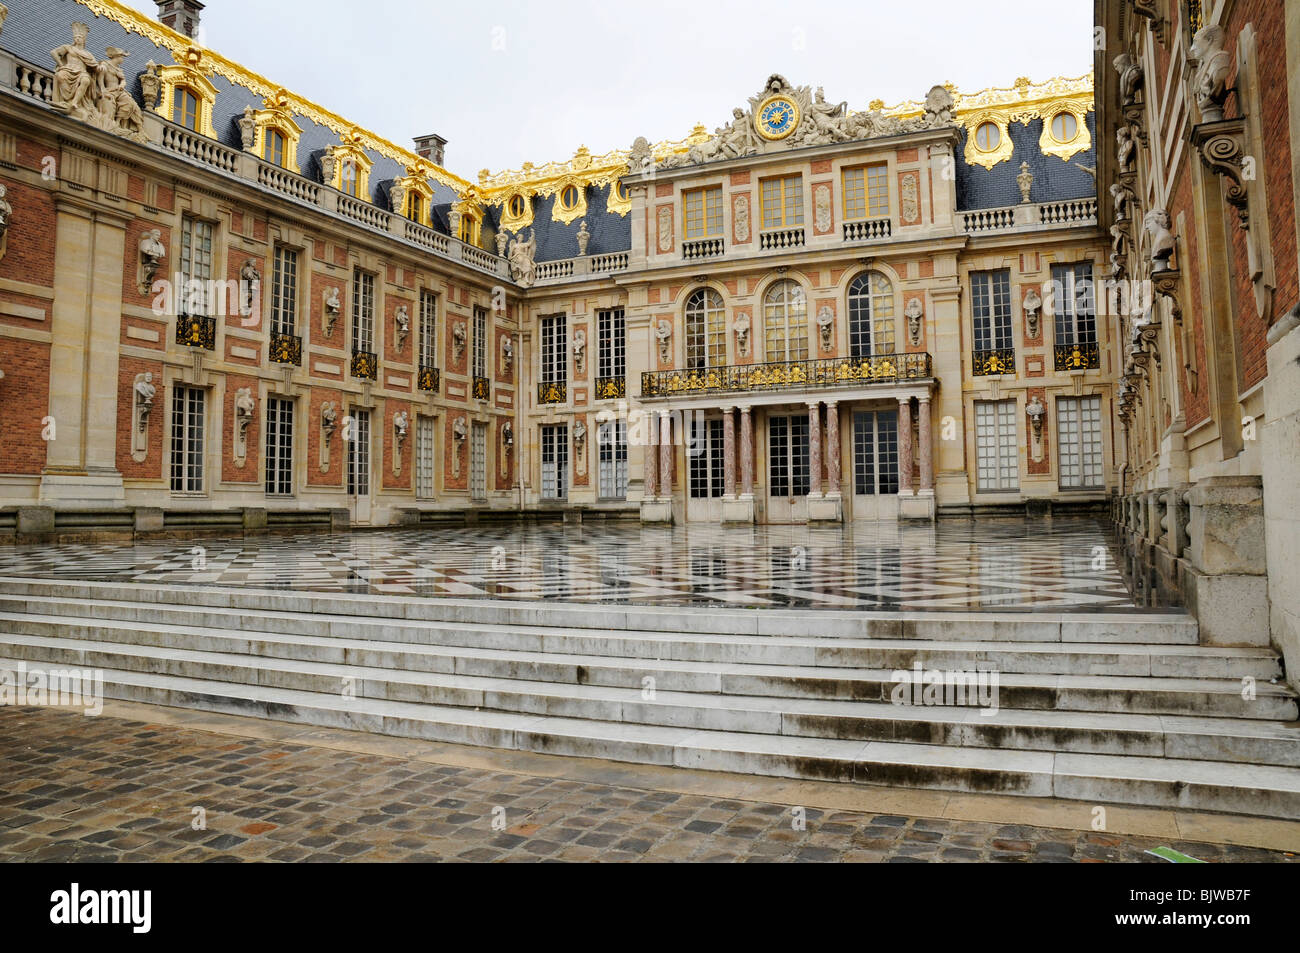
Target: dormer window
<point>275,146</point>
<point>987,137</point>
<point>185,108</point>
<point>1064,127</point>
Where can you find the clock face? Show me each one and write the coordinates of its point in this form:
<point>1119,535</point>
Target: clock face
<point>777,117</point>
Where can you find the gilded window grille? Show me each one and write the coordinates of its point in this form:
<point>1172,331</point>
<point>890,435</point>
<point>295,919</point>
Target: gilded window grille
<point>552,392</point>
<point>365,365</point>
<point>194,330</point>
<point>429,378</point>
<point>608,388</point>
<point>286,348</point>
<point>1000,360</point>
<point>1077,357</point>
<point>482,388</point>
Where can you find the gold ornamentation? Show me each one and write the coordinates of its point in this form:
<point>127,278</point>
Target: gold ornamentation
<point>277,115</point>
<point>1082,141</point>
<point>777,117</point>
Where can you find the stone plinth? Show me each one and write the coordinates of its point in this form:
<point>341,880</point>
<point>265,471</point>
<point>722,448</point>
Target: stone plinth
<point>738,512</point>
<point>656,511</point>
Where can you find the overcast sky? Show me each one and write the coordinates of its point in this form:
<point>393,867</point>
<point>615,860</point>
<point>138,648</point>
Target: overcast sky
<point>506,81</point>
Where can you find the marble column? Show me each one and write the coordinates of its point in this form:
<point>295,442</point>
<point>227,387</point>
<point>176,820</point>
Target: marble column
<point>814,449</point>
<point>923,438</point>
<point>651,455</point>
<point>832,448</point>
<point>905,446</point>
<point>729,452</point>
<point>746,453</point>
<point>665,455</point>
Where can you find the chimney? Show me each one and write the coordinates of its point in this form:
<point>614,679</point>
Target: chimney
<point>430,147</point>
<point>181,15</point>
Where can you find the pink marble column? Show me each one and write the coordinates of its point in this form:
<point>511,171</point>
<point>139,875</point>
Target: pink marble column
<point>746,453</point>
<point>833,449</point>
<point>651,455</point>
<point>923,438</point>
<point>665,455</point>
<point>905,445</point>
<point>814,449</point>
<point>729,452</point>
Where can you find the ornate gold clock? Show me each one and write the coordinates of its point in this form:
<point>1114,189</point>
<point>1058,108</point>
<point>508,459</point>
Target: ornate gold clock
<point>777,117</point>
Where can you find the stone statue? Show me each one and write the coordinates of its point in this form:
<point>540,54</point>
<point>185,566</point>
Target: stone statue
<point>244,408</point>
<point>640,158</point>
<point>579,436</point>
<point>523,269</point>
<point>1130,77</point>
<point>507,436</point>
<point>939,108</point>
<point>823,122</point>
<point>144,394</point>
<point>328,165</point>
<point>740,218</point>
<point>503,239</point>
<point>250,281</point>
<point>329,421</point>
<point>151,85</point>
<point>1025,180</point>
<point>1036,412</point>
<point>664,332</point>
<point>400,422</point>
<point>826,326</point>
<point>247,129</point>
<point>402,322</point>
<point>1119,240</point>
<point>1032,304</point>
<point>1160,239</point>
<point>332,308</point>
<point>119,112</point>
<point>507,355</point>
<point>580,350</point>
<point>458,340</point>
<point>397,196</point>
<point>1124,149</point>
<point>741,324</point>
<point>1213,64</point>
<point>459,430</point>
<point>6,210</point>
<point>914,312</point>
<point>584,237</point>
<point>152,252</point>
<point>738,137</point>
<point>74,76</point>
<point>1120,197</point>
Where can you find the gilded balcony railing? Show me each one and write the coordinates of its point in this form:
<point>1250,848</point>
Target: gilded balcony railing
<point>1077,357</point>
<point>194,330</point>
<point>1001,360</point>
<point>429,378</point>
<point>286,348</point>
<point>788,375</point>
<point>481,388</point>
<point>608,388</point>
<point>552,392</point>
<point>365,365</point>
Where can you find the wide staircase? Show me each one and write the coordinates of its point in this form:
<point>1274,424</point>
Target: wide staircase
<point>1103,708</point>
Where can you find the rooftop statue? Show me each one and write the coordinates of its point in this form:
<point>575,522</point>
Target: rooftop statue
<point>95,92</point>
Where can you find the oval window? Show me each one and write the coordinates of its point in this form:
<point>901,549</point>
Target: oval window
<point>517,206</point>
<point>569,197</point>
<point>987,136</point>
<point>1064,127</point>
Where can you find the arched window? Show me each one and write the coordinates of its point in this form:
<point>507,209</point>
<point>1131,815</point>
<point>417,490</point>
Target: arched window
<point>275,146</point>
<point>785,322</point>
<point>185,108</point>
<point>871,315</point>
<point>706,329</point>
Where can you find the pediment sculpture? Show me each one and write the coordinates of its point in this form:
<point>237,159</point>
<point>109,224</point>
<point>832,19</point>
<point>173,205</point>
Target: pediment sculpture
<point>94,91</point>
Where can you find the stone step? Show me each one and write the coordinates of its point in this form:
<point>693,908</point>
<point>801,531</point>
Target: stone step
<point>719,694</point>
<point>179,628</point>
<point>302,612</point>
<point>1099,779</point>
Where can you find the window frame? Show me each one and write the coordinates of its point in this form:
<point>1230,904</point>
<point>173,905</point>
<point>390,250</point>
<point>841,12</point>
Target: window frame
<point>789,198</point>
<point>997,446</point>
<point>793,322</point>
<point>871,311</point>
<point>702,212</point>
<point>280,414</point>
<point>189,424</point>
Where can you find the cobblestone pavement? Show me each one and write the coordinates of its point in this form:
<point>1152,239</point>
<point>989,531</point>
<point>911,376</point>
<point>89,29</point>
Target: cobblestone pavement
<point>109,789</point>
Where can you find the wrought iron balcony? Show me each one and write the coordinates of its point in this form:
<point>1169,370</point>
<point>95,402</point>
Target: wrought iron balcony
<point>365,365</point>
<point>429,378</point>
<point>194,330</point>
<point>552,392</point>
<point>481,388</point>
<point>286,348</point>
<point>788,375</point>
<point>1077,357</point>
<point>608,388</point>
<point>1000,360</point>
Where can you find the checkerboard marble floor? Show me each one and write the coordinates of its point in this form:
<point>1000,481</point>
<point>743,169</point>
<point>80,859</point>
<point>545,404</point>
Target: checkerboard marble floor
<point>1057,565</point>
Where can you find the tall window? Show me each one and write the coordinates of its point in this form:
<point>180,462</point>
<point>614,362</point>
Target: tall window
<point>415,207</point>
<point>424,457</point>
<point>188,405</point>
<point>871,315</point>
<point>703,212</point>
<point>350,178</point>
<point>788,456</point>
<point>866,192</point>
<point>706,329</point>
<point>705,458</point>
<point>196,266</point>
<point>554,357</point>
<point>1074,303</point>
<point>991,307</point>
<point>359,453</point>
<point>782,201</point>
<point>555,461</point>
<point>275,146</point>
<point>279,446</point>
<point>284,291</point>
<point>363,311</point>
<point>611,343</point>
<point>478,461</point>
<point>785,322</point>
<point>428,329</point>
<point>1078,434</point>
<point>875,452</point>
<point>480,342</point>
<point>997,457</point>
<point>612,439</point>
<point>185,108</point>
